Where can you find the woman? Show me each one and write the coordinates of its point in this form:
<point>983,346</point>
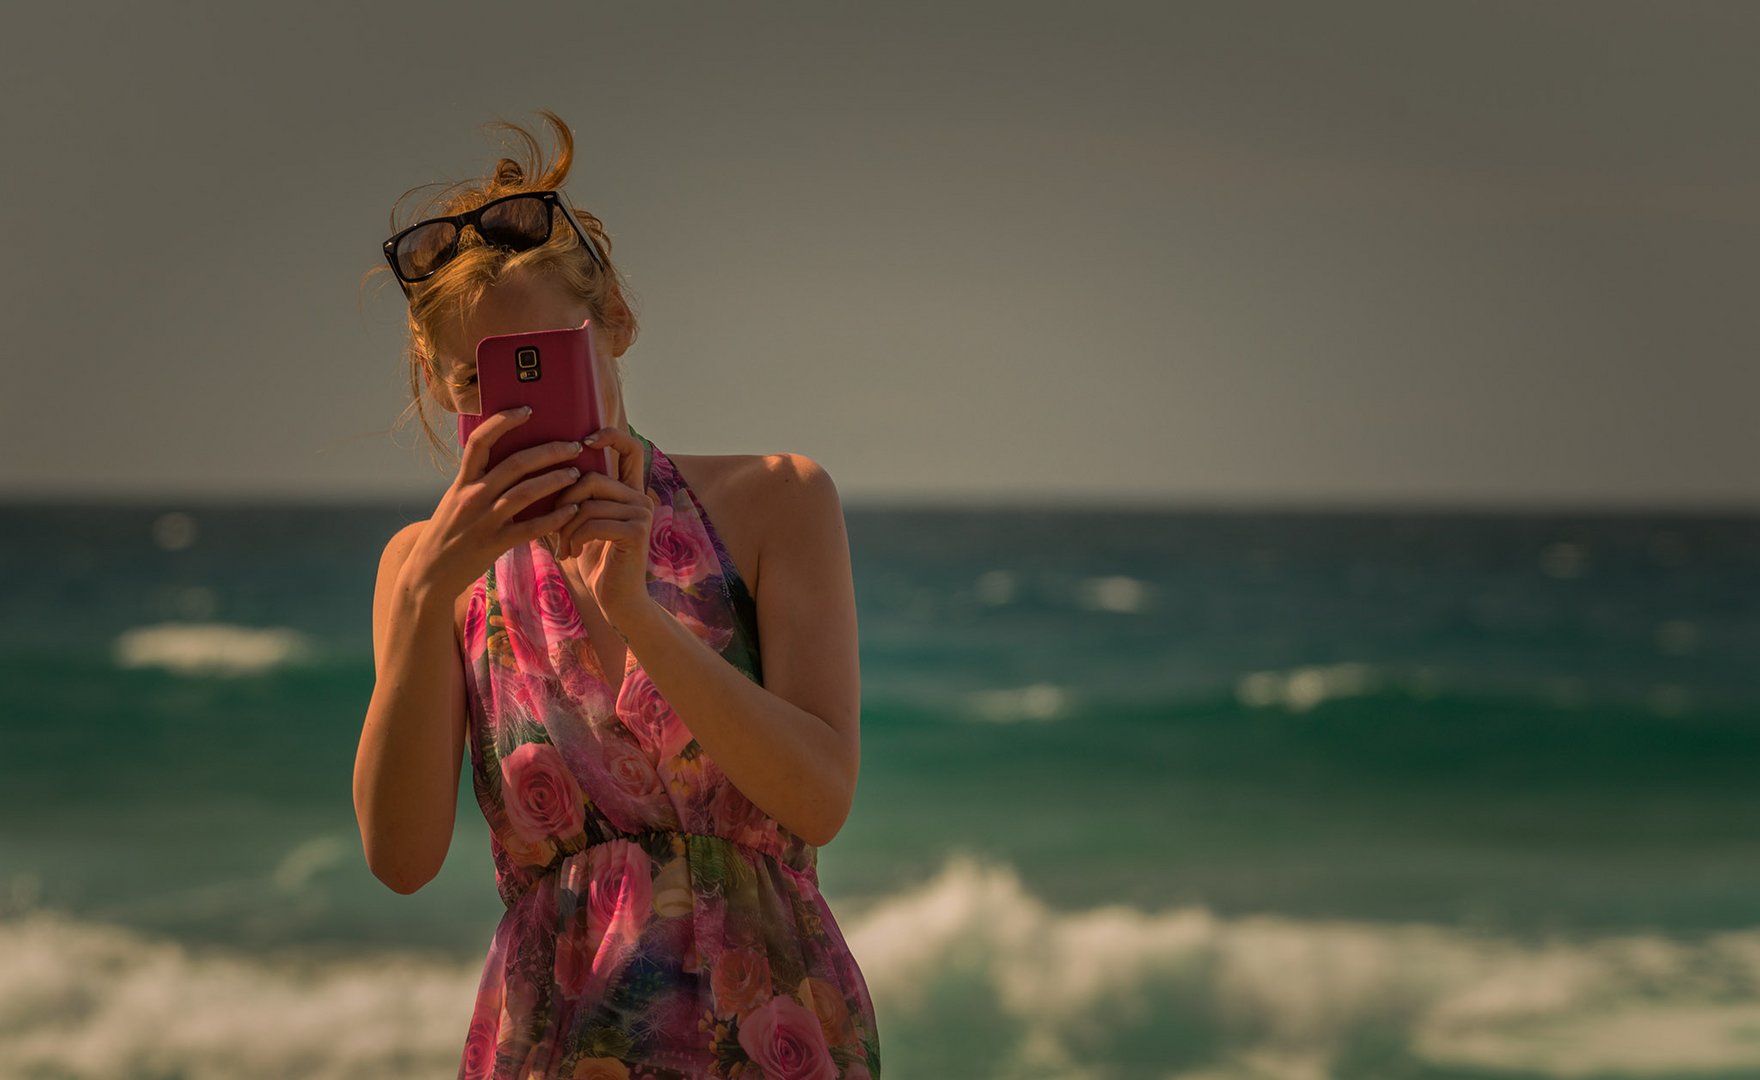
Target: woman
<point>655,794</point>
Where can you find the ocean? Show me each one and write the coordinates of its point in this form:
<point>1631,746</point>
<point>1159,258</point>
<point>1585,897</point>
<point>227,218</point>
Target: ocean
<point>1171,794</point>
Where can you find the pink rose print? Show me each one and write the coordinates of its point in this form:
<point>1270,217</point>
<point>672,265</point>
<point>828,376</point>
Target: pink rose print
<point>740,980</point>
<point>542,796</point>
<point>479,1043</point>
<point>476,620</point>
<point>632,773</point>
<point>679,549</point>
<point>620,892</point>
<point>650,717</point>
<point>622,780</point>
<point>529,653</point>
<point>614,881</point>
<point>784,1038</point>
<point>555,604</point>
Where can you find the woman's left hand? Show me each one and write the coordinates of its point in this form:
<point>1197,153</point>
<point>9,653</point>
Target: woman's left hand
<point>612,510</point>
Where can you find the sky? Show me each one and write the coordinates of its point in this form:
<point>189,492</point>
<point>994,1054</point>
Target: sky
<point>1223,254</point>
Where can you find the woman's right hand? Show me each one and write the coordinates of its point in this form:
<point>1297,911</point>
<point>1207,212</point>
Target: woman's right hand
<point>472,525</point>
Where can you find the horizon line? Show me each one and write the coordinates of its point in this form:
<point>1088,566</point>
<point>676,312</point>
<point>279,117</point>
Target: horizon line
<point>962,501</point>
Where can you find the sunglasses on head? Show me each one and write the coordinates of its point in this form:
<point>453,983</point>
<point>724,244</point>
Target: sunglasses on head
<point>513,222</point>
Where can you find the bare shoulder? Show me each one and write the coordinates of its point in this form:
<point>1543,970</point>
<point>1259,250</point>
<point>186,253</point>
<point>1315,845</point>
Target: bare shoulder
<point>760,500</point>
<point>794,484</point>
<point>799,499</point>
<point>781,484</point>
<point>793,471</point>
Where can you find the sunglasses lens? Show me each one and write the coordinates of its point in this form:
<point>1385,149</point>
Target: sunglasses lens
<point>423,249</point>
<point>518,223</point>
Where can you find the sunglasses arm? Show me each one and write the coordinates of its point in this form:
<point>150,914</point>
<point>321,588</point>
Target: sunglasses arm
<point>586,241</point>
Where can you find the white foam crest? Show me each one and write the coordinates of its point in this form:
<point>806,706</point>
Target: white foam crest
<point>81,999</point>
<point>996,588</point>
<point>1037,701</point>
<point>1284,997</point>
<point>1115,592</point>
<point>196,648</point>
<point>1301,688</point>
<point>967,963</point>
<point>309,858</point>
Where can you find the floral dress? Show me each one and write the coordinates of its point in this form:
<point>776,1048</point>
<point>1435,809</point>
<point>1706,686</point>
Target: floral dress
<point>659,925</point>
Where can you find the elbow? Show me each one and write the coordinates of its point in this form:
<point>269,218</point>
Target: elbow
<point>818,836</point>
<point>403,886</point>
<point>832,824</point>
<point>402,882</point>
<point>396,870</point>
<point>825,826</point>
<point>402,859</point>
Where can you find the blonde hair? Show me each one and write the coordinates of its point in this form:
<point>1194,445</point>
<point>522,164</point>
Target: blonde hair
<point>457,286</point>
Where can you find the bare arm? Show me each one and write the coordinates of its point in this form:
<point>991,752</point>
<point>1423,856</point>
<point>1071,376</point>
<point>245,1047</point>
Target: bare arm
<point>406,768</point>
<point>412,743</point>
<point>792,745</point>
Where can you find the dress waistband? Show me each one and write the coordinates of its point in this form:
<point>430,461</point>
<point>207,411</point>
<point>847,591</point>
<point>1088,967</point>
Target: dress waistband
<point>517,886</point>
<point>598,836</point>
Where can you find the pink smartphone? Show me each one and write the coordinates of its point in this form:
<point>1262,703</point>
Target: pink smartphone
<point>554,372</point>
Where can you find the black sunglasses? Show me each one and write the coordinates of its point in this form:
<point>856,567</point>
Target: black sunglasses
<point>513,222</point>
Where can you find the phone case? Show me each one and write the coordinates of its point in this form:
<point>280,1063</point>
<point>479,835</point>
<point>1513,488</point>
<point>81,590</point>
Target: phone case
<point>553,371</point>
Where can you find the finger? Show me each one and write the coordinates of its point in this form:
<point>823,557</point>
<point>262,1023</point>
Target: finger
<point>606,526</point>
<point>524,532</point>
<point>533,488</point>
<point>474,462</point>
<point>629,453</point>
<point>591,509</point>
<point>527,462</point>
<point>610,528</point>
<point>598,485</point>
<point>611,494</point>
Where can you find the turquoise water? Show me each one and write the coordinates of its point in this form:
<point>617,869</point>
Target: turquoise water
<point>1144,794</point>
